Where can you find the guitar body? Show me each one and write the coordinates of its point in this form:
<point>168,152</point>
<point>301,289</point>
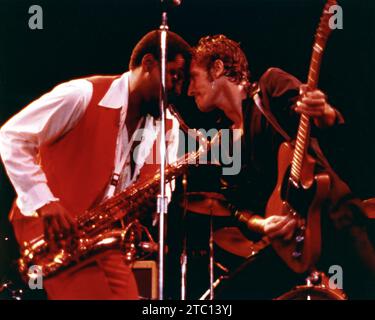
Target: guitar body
<point>299,192</point>
<point>303,251</point>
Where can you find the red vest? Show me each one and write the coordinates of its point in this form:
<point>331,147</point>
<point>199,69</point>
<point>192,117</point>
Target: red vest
<point>79,165</point>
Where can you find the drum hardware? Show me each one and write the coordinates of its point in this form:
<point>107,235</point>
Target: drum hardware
<point>233,241</point>
<point>207,203</point>
<point>212,287</point>
<point>250,258</point>
<point>211,250</point>
<point>211,204</point>
<point>221,267</point>
<point>316,288</point>
<point>229,239</point>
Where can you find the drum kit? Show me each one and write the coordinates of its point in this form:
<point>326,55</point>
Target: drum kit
<point>228,243</point>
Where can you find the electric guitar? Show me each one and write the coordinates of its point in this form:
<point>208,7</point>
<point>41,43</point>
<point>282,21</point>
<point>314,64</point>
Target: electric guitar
<point>299,192</point>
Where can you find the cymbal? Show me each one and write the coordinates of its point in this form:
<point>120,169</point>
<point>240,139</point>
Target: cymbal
<point>232,240</point>
<point>206,203</point>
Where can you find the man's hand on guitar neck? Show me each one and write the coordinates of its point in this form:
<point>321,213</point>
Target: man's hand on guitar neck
<point>58,223</point>
<point>314,104</point>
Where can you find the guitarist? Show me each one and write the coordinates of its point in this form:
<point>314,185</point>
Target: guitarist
<point>220,79</point>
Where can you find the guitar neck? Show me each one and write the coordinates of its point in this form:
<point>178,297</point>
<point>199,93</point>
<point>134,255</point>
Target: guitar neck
<point>303,134</point>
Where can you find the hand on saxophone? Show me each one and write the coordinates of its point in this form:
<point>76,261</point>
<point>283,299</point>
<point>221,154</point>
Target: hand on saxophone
<point>58,223</point>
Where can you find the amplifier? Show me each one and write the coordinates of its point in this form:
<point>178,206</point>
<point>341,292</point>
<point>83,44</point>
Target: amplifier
<point>146,275</point>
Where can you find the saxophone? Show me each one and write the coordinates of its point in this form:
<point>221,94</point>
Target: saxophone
<point>97,228</point>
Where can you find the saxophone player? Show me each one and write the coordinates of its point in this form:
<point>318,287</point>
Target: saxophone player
<point>74,147</point>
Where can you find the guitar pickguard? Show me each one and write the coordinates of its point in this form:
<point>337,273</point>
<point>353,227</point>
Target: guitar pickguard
<point>299,199</point>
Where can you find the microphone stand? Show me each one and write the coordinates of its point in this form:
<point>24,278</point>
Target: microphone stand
<point>162,201</point>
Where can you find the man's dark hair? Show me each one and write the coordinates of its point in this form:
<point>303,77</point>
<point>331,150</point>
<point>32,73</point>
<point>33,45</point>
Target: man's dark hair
<point>150,43</point>
<point>219,47</point>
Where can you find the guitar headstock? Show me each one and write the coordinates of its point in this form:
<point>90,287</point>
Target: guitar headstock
<point>324,29</point>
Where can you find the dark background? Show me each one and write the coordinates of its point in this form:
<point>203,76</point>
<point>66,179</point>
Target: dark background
<point>83,37</point>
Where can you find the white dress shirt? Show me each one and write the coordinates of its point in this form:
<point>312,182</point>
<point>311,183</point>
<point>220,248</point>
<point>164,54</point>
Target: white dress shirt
<point>54,114</point>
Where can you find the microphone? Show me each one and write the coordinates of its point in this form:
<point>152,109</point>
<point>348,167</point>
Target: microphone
<point>243,216</point>
<point>174,3</point>
<point>252,221</point>
<point>167,4</point>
